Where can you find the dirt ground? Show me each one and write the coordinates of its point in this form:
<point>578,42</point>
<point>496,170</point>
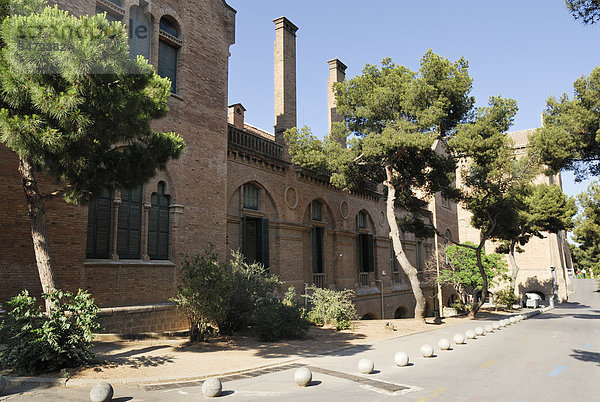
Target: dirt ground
<point>174,358</point>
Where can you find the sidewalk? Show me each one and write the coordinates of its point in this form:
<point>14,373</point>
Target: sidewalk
<point>151,361</point>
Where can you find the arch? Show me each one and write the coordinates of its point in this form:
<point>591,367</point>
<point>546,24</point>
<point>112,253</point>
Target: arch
<point>537,292</point>
<point>400,312</point>
<point>326,213</point>
<point>369,223</point>
<point>234,204</point>
<point>369,316</point>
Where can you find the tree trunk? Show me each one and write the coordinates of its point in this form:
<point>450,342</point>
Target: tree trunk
<point>403,261</point>
<point>484,290</point>
<point>39,235</point>
<point>513,264</point>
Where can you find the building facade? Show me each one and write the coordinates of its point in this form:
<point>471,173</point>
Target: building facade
<point>234,187</point>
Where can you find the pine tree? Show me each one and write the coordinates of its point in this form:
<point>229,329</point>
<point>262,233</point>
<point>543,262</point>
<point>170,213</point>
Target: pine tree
<point>75,107</point>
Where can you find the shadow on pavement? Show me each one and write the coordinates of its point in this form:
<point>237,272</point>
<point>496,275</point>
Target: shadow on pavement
<point>586,356</point>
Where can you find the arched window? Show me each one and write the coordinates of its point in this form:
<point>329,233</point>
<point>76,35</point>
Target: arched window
<point>250,196</point>
<point>168,50</point>
<point>158,225</point>
<point>130,224</point>
<point>317,239</point>
<point>140,33</point>
<point>98,227</point>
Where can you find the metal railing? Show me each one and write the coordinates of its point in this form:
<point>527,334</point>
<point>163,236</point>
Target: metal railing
<point>319,280</point>
<point>254,142</point>
<point>363,278</point>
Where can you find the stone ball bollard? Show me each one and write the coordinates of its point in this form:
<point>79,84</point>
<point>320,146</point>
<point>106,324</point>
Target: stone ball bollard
<point>459,339</point>
<point>427,350</point>
<point>496,325</point>
<point>366,366</point>
<point>444,344</point>
<point>502,323</point>
<point>489,328</point>
<point>303,376</point>
<point>212,387</point>
<point>401,359</point>
<point>101,392</point>
<point>512,320</point>
<point>3,384</point>
<point>470,334</point>
<point>479,331</point>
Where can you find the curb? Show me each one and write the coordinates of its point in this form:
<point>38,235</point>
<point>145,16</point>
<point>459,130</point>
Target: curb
<point>78,383</point>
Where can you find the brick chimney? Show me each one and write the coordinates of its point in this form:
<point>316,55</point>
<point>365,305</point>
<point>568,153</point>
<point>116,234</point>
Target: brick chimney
<point>337,73</point>
<point>235,115</point>
<point>285,78</point>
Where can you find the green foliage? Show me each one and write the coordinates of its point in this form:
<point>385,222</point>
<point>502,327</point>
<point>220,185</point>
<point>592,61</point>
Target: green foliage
<point>276,320</point>
<point>81,111</point>
<point>463,269</point>
<point>40,342</point>
<point>393,117</point>
<point>586,254</point>
<point>569,137</point>
<point>330,307</point>
<point>252,285</point>
<point>205,293</point>
<point>505,298</point>
<point>586,10</point>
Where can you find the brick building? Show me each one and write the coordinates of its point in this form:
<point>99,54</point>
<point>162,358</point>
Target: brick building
<point>234,187</point>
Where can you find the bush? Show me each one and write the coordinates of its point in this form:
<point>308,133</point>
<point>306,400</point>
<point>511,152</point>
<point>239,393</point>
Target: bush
<point>276,321</point>
<point>252,285</point>
<point>205,294</point>
<point>505,298</point>
<point>40,342</point>
<point>331,307</point>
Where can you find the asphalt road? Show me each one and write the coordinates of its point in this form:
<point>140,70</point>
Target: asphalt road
<point>553,356</point>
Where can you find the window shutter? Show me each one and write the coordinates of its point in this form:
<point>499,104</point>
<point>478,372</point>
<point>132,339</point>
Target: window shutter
<point>98,227</point>
<point>314,249</point>
<point>265,242</point>
<point>361,260</point>
<point>370,253</point>
<point>130,224</point>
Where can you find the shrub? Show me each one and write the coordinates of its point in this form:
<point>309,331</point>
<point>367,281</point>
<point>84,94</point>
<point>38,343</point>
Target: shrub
<point>252,285</point>
<point>205,294</point>
<point>331,307</point>
<point>505,298</point>
<point>276,320</point>
<point>40,342</point>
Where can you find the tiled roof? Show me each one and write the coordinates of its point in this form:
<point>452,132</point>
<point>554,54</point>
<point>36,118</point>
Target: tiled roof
<point>255,130</point>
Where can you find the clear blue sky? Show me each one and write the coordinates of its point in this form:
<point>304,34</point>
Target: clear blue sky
<point>522,49</point>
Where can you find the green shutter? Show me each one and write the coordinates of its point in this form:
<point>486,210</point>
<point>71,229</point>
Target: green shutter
<point>313,233</point>
<point>98,227</point>
<point>361,260</point>
<point>167,63</point>
<point>130,224</point>
<point>158,227</point>
<point>244,235</point>
<point>370,252</point>
<point>265,242</point>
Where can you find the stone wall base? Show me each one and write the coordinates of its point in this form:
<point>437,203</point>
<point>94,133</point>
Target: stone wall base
<point>160,317</point>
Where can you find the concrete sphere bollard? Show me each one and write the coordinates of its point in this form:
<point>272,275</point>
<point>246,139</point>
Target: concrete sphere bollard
<point>303,376</point>
<point>366,366</point>
<point>459,339</point>
<point>502,323</point>
<point>444,344</point>
<point>479,331</point>
<point>512,320</point>
<point>212,387</point>
<point>489,328</point>
<point>496,325</point>
<point>470,334</point>
<point>401,359</point>
<point>427,350</point>
<point>101,392</point>
<point>3,384</point>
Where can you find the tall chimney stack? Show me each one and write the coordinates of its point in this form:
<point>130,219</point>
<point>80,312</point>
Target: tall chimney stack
<point>285,78</point>
<point>337,73</point>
